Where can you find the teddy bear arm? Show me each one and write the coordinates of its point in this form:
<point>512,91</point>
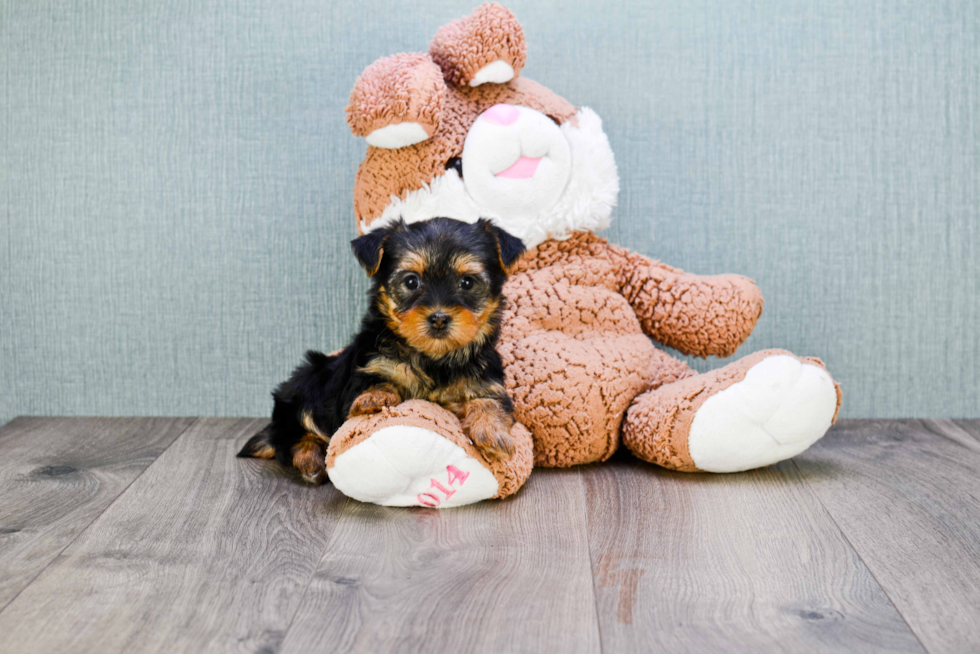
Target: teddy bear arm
<point>695,314</point>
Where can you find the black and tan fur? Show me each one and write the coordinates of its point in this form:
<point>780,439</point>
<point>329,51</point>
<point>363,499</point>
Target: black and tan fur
<point>429,333</point>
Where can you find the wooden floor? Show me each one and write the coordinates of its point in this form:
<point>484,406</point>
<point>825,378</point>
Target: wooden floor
<point>147,534</point>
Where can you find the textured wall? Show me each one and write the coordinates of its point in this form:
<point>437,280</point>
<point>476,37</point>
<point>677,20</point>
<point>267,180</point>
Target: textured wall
<point>175,183</point>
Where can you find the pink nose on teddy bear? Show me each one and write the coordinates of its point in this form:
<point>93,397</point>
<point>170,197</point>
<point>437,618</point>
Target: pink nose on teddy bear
<point>501,114</point>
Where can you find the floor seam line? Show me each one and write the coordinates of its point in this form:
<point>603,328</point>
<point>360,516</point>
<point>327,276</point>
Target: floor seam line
<point>928,425</point>
<point>316,568</point>
<point>94,519</point>
<point>867,567</point>
<point>588,545</point>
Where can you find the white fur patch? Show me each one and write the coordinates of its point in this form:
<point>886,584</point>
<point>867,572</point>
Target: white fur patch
<point>396,136</point>
<point>498,72</point>
<point>781,408</point>
<point>492,148</point>
<point>411,466</point>
<point>586,203</point>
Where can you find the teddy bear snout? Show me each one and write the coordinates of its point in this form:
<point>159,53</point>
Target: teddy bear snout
<point>516,162</point>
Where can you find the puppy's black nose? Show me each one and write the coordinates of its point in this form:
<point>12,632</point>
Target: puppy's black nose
<point>439,320</point>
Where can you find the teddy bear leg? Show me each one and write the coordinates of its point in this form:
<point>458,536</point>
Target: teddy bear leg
<point>763,408</point>
<point>417,454</point>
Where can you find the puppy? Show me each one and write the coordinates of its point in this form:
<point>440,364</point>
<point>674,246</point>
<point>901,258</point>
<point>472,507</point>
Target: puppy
<point>430,332</point>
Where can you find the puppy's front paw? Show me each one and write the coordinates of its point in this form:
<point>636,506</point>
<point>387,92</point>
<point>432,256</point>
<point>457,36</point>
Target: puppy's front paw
<point>488,426</point>
<point>373,400</point>
<point>493,443</point>
<point>309,457</point>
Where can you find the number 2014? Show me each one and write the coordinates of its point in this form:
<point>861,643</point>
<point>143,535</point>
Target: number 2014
<point>453,476</point>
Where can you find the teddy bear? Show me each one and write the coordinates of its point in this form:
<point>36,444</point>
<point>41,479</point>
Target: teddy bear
<point>457,132</point>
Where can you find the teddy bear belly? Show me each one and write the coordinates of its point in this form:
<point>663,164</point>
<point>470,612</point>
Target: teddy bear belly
<point>574,359</point>
<point>547,300</point>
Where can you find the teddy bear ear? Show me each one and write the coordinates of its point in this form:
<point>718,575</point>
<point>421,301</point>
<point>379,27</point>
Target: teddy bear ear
<point>486,47</point>
<point>397,101</point>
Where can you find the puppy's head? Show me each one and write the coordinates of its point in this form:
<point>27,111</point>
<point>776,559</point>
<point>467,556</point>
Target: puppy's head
<point>438,282</point>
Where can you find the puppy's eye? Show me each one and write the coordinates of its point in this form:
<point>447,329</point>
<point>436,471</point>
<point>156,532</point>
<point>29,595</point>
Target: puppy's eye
<point>412,282</point>
<point>466,283</point>
<point>455,164</point>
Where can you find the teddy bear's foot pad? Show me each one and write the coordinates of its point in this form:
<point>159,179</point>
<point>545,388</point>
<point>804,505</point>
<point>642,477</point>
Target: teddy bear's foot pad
<point>403,465</point>
<point>781,407</point>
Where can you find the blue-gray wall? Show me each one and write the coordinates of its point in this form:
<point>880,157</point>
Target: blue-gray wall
<point>175,183</point>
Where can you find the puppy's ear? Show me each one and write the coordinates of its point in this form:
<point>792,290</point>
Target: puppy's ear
<point>371,247</point>
<point>509,248</point>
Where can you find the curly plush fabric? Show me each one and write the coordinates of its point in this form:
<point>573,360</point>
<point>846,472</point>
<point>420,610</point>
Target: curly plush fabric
<point>695,314</point>
<point>386,173</point>
<point>581,314</point>
<point>401,88</point>
<point>575,338</point>
<point>490,34</point>
<point>666,414</point>
<point>510,475</point>
<point>659,421</point>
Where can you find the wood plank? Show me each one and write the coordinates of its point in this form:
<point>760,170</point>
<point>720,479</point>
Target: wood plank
<point>57,475</point>
<point>962,432</point>
<point>744,562</point>
<point>203,552</point>
<point>907,496</point>
<point>508,576</point>
<point>971,427</point>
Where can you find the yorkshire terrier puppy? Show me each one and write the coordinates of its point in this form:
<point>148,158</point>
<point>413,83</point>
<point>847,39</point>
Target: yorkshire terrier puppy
<point>430,332</point>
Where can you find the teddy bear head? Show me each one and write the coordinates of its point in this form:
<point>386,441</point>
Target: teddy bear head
<point>457,132</point>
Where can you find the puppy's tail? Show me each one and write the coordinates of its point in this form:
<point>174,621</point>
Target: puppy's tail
<point>259,446</point>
